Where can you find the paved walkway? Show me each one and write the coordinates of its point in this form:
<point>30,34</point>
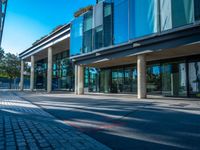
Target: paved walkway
<point>123,122</point>
<point>26,126</point>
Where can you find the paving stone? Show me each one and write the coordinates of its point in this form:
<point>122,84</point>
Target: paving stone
<point>37,129</point>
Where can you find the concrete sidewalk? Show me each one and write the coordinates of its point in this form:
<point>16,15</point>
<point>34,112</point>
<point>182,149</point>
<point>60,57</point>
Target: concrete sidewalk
<point>26,126</point>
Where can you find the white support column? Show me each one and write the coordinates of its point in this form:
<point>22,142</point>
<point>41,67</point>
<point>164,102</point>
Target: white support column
<point>32,73</point>
<point>49,70</point>
<point>76,79</point>
<point>141,67</point>
<point>22,76</point>
<point>80,80</point>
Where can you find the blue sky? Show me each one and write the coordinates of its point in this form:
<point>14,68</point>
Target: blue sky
<point>28,20</point>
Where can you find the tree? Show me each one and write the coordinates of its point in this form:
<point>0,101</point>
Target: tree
<point>1,54</point>
<point>10,66</point>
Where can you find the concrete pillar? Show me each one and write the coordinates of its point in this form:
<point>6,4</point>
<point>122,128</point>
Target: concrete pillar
<point>49,70</point>
<point>76,79</point>
<point>22,76</point>
<point>32,73</point>
<point>141,67</point>
<point>80,80</point>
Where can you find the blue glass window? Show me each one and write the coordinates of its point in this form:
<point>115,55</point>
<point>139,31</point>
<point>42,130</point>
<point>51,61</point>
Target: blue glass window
<point>76,39</point>
<point>120,21</point>
<point>197,9</point>
<point>182,12</point>
<point>176,13</point>
<point>143,18</point>
<point>108,34</point>
<point>165,15</point>
<point>87,32</point>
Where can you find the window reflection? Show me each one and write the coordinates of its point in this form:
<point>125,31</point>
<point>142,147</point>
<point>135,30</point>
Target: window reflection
<point>154,79</point>
<point>63,74</point>
<point>174,81</point>
<point>194,79</point>
<point>76,39</point>
<point>143,17</point>
<point>41,74</point>
<point>197,9</point>
<point>120,21</point>
<point>176,13</point>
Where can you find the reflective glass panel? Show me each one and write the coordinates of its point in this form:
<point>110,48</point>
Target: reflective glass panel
<point>120,21</point>
<point>105,80</point>
<point>197,9</point>
<point>93,80</point>
<point>154,79</point>
<point>143,18</point>
<point>108,24</point>
<point>87,32</point>
<point>174,81</point>
<point>41,74</point>
<point>117,81</point>
<point>98,37</point>
<point>63,73</point>
<point>165,15</point>
<point>182,12</point>
<point>176,13</point>
<point>194,79</point>
<point>76,40</point>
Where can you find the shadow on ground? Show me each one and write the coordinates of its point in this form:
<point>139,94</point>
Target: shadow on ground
<point>128,125</point>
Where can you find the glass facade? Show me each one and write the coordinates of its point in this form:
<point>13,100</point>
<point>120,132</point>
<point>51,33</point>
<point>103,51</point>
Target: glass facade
<point>194,79</point>
<point>165,15</point>
<point>167,77</point>
<point>102,24</point>
<point>197,9</point>
<point>182,12</point>
<point>76,36</point>
<point>154,79</point>
<point>120,20</point>
<point>142,17</point>
<point>41,74</point>
<point>113,22</point>
<point>108,24</point>
<point>174,82</point>
<point>105,81</point>
<point>63,73</point>
<point>176,13</point>
<point>87,32</point>
<point>113,80</point>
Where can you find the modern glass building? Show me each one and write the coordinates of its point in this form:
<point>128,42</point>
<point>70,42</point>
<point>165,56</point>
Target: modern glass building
<point>143,47</point>
<point>117,37</point>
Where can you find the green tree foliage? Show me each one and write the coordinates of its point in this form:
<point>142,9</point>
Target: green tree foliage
<point>1,54</point>
<point>10,66</point>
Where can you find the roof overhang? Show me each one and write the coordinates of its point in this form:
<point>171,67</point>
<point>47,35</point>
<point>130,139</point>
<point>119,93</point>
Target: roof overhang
<point>154,43</point>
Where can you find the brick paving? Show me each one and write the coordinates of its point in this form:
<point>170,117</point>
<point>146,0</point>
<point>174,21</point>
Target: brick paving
<point>26,126</point>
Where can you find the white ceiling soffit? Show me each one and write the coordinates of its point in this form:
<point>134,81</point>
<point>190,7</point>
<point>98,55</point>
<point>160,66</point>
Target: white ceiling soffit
<point>45,42</point>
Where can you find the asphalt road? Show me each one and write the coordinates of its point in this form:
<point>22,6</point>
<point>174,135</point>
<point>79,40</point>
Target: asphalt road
<point>125,123</point>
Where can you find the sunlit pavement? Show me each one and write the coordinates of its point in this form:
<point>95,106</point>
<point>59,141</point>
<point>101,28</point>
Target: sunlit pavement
<point>125,123</point>
<point>26,126</point>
